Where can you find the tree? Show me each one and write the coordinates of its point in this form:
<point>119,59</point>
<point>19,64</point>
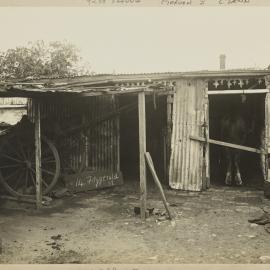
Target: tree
<point>40,59</point>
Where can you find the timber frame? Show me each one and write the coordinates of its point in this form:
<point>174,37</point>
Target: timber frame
<point>236,82</point>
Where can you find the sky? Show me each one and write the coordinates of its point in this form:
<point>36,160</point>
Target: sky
<point>136,40</point>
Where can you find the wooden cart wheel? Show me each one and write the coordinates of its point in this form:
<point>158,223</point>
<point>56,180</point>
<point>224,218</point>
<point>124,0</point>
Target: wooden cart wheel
<point>69,163</point>
<point>17,165</point>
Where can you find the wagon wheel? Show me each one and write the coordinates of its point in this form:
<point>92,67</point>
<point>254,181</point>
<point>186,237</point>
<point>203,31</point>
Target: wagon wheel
<point>73,144</point>
<point>17,165</point>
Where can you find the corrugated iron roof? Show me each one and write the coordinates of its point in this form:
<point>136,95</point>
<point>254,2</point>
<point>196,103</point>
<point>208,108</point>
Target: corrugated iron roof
<point>154,75</point>
<point>89,89</point>
<point>116,83</point>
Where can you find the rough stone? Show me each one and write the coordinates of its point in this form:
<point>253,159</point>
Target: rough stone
<point>265,259</point>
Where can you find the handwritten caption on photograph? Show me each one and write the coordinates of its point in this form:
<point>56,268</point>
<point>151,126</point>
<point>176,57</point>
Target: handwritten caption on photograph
<point>171,3</point>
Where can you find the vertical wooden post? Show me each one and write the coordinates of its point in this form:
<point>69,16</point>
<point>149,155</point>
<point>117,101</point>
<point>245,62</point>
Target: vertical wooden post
<point>169,134</point>
<point>118,134</point>
<point>142,151</point>
<point>207,147</point>
<point>38,155</point>
<point>265,140</point>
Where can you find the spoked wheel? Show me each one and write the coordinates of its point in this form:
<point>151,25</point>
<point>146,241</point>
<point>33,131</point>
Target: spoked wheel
<point>17,165</point>
<point>73,164</point>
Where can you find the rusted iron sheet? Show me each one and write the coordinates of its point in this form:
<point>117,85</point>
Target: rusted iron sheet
<point>186,162</point>
<point>90,180</point>
<point>95,148</point>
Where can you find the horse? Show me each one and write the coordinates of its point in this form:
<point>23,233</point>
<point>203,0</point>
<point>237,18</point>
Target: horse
<point>237,127</point>
<point>233,130</point>
<point>241,122</point>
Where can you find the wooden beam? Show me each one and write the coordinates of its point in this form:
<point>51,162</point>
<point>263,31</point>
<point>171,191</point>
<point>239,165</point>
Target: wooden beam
<point>242,92</point>
<point>142,150</point>
<point>231,145</point>
<point>13,106</point>
<point>38,155</point>
<point>154,174</point>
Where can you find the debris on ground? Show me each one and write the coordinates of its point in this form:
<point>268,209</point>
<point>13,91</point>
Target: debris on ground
<point>261,220</point>
<point>137,210</point>
<point>267,227</point>
<point>56,237</point>
<point>60,193</point>
<point>173,223</point>
<point>162,218</point>
<point>158,212</point>
<point>264,219</point>
<point>265,259</point>
<point>149,211</point>
<point>173,204</point>
<point>55,244</point>
<point>251,236</point>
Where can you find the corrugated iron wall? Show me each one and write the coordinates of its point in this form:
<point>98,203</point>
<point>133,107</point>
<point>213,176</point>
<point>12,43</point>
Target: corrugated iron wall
<point>187,159</point>
<point>95,148</point>
<point>103,138</point>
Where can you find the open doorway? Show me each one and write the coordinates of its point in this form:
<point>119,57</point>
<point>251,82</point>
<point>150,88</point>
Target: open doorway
<point>156,121</point>
<point>252,108</point>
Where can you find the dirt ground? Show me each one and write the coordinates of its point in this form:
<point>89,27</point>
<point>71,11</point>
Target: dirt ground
<point>101,227</point>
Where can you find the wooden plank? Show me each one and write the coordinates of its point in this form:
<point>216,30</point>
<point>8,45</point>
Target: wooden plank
<point>206,182</point>
<point>92,180</point>
<point>242,91</point>
<point>13,106</point>
<point>142,150</point>
<point>231,145</point>
<point>117,136</point>
<point>267,137</point>
<point>155,177</point>
<point>38,156</point>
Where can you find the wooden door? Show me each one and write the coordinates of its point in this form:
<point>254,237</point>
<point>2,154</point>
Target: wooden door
<point>189,162</point>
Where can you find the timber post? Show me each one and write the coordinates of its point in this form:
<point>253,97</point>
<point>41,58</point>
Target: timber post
<point>266,135</point>
<point>142,151</point>
<point>38,155</point>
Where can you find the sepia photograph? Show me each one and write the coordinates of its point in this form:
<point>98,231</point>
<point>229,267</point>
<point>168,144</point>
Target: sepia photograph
<point>134,132</point>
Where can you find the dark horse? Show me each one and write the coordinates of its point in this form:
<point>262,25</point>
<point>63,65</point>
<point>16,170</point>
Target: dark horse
<point>233,130</point>
<point>236,126</point>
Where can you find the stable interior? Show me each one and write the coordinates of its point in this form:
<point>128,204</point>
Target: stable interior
<point>156,112</point>
<point>254,110</point>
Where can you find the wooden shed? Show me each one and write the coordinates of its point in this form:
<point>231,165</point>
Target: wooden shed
<point>186,140</point>
<point>181,114</point>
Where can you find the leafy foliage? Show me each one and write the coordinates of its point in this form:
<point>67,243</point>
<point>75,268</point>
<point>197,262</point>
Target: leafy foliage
<point>40,59</point>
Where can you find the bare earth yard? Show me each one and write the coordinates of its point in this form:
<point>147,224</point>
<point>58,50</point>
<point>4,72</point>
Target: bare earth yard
<point>101,227</point>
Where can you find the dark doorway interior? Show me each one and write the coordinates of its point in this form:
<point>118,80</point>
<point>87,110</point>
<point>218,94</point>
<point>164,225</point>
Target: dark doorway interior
<point>156,113</point>
<point>129,137</point>
<point>254,110</point>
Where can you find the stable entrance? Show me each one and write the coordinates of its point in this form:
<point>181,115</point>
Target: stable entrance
<point>196,144</point>
<point>250,108</point>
